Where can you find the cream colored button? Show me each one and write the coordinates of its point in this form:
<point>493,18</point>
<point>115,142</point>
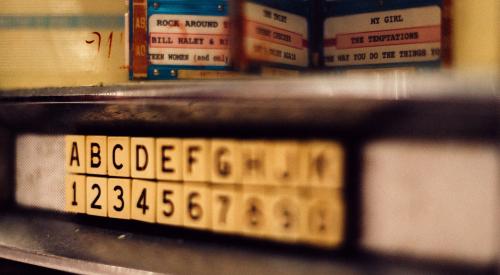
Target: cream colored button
<point>142,158</point>
<point>143,206</point>
<point>286,168</point>
<point>75,154</point>
<point>96,155</point>
<point>75,193</point>
<point>226,204</point>
<point>169,159</point>
<point>119,193</point>
<point>225,161</point>
<point>169,203</point>
<point>325,164</point>
<point>255,212</point>
<point>197,212</point>
<point>97,196</point>
<point>119,156</point>
<point>256,162</point>
<point>285,214</point>
<point>323,223</point>
<point>196,160</point>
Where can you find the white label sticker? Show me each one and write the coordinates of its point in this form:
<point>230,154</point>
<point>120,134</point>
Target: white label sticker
<point>395,36</point>
<point>189,40</point>
<point>275,36</point>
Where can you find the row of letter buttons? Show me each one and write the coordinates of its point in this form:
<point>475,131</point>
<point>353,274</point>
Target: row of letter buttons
<point>262,162</point>
<point>311,215</point>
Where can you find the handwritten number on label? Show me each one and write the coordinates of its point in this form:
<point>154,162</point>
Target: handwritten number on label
<point>98,37</point>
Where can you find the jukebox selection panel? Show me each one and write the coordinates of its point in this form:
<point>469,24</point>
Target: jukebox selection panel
<point>284,190</point>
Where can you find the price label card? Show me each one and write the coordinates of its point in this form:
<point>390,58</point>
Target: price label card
<point>385,37</point>
<point>189,40</point>
<point>275,36</point>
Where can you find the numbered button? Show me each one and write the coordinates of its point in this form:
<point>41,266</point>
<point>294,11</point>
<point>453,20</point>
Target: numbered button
<point>285,216</point>
<point>118,156</point>
<point>143,206</point>
<point>169,203</point>
<point>97,196</point>
<point>256,162</point>
<point>119,198</point>
<point>323,222</point>
<point>255,211</point>
<point>225,205</point>
<point>197,205</point>
<point>75,193</point>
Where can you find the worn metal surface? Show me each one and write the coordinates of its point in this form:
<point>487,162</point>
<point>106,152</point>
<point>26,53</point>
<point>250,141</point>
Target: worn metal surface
<point>78,247</point>
<point>349,106</point>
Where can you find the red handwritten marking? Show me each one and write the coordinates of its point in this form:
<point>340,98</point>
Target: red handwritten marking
<point>92,41</point>
<point>110,44</point>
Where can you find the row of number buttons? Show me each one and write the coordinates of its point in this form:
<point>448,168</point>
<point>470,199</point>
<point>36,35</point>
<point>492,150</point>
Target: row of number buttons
<point>306,215</point>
